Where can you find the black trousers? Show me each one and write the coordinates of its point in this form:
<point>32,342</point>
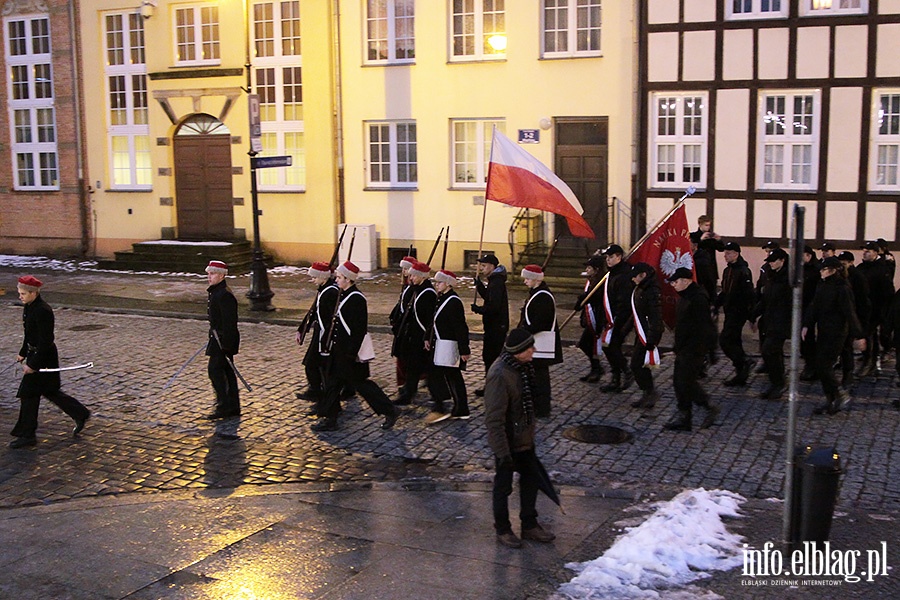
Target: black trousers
<point>492,346</point>
<point>349,373</point>
<point>642,374</point>
<point>312,365</point>
<point>686,381</point>
<point>528,489</point>
<point>541,394</point>
<point>826,356</point>
<point>27,424</point>
<point>446,383</point>
<point>224,382</point>
<point>730,340</point>
<point>417,365</point>
<point>773,357</point>
<point>614,354</point>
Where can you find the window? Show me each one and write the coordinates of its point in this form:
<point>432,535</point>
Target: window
<point>278,79</point>
<point>755,9</point>
<point>392,154</point>
<point>127,101</point>
<point>812,8</point>
<point>31,104</point>
<point>197,35</point>
<point>571,28</point>
<point>471,141</point>
<point>478,30</point>
<point>788,152</point>
<point>390,31</point>
<point>885,154</point>
<point>678,126</point>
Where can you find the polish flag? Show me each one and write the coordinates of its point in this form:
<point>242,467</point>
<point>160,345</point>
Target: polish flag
<point>517,178</point>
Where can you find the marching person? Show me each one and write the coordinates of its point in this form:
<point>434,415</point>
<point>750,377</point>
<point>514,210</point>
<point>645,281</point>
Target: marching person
<point>774,313</point>
<point>760,326</point>
<point>737,300</point>
<point>509,415</point>
<point>39,352</point>
<point>396,316</point>
<point>448,343</point>
<point>811,278</point>
<point>539,318</point>
<point>592,319</point>
<point>348,351</point>
<point>320,312</point>
<point>694,334</point>
<point>224,341</point>
<point>646,310</point>
<point>708,243</point>
<point>495,310</point>
<point>860,288</point>
<point>616,298</point>
<point>881,290</point>
<point>828,249</point>
<point>409,344</point>
<point>833,315</point>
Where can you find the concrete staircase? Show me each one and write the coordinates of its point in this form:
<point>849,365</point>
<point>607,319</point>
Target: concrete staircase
<point>182,257</point>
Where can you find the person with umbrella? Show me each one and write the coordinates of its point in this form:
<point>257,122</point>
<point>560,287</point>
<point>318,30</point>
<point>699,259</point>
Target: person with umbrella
<point>509,418</point>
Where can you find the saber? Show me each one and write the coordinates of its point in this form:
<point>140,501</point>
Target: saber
<point>87,365</point>
<point>185,365</point>
<point>230,362</point>
<point>8,367</point>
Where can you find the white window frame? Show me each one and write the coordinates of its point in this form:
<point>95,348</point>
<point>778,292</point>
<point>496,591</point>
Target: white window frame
<point>197,31</point>
<point>477,16</point>
<point>826,8</point>
<point>757,10</point>
<point>34,151</point>
<point>572,29</point>
<point>393,24</point>
<point>393,146</point>
<point>789,142</point>
<point>478,148</point>
<point>136,129</point>
<point>278,130</point>
<point>678,143</point>
<point>889,141</point>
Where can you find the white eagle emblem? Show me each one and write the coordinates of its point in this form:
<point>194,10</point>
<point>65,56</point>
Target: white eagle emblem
<point>669,262</point>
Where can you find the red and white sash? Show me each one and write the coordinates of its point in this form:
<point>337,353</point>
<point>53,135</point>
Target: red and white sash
<point>606,336</point>
<point>651,359</point>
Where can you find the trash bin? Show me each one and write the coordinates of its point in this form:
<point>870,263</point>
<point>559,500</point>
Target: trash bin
<point>819,482</point>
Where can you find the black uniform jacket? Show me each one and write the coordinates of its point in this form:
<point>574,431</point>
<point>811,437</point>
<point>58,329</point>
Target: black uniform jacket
<point>38,350</point>
<point>416,322</point>
<point>881,287</point>
<point>620,288</point>
<point>403,305</point>
<point>774,305</point>
<point>539,314</point>
<point>450,322</point>
<point>860,288</point>
<point>495,310</point>
<point>222,310</point>
<point>811,278</point>
<point>323,313</point>
<point>695,332</point>
<point>737,297</point>
<point>350,328</point>
<point>832,314</point>
<point>647,303</point>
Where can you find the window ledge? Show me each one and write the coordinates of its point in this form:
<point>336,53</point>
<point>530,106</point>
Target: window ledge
<point>128,190</point>
<point>390,189</point>
<point>392,63</point>
<point>571,56</point>
<point>282,192</point>
<point>196,72</point>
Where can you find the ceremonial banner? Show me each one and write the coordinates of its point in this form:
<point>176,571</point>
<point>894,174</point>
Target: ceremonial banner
<point>666,248</point>
<point>517,178</point>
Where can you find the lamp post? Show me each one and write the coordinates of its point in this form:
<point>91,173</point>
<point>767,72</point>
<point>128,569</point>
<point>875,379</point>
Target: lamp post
<point>259,294</point>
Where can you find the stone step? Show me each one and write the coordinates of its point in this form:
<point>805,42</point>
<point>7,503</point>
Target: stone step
<point>185,257</point>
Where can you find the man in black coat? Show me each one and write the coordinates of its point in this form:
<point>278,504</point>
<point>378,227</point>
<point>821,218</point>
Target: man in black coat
<point>409,344</point>
<point>811,279</point>
<point>495,310</point>
<point>646,308</point>
<point>761,281</point>
<point>592,319</point>
<point>860,288</point>
<point>774,310</point>
<point>539,318</point>
<point>320,312</point>
<point>224,341</point>
<point>396,316</point>
<point>616,298</point>
<point>39,352</point>
<point>448,342</point>
<point>881,290</point>
<point>695,333</point>
<point>349,349</point>
<point>736,300</point>
<point>708,243</point>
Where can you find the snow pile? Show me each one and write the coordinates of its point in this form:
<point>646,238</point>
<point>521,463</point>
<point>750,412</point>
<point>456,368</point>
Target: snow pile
<point>37,262</point>
<point>678,544</point>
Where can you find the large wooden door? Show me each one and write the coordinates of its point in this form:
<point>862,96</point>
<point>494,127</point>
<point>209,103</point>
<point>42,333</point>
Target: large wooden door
<point>582,161</point>
<point>203,195</point>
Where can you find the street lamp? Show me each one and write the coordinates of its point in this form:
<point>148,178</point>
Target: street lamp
<point>259,293</point>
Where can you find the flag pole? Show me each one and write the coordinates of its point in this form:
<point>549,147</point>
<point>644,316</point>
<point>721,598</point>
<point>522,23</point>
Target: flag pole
<point>487,186</point>
<point>689,192</point>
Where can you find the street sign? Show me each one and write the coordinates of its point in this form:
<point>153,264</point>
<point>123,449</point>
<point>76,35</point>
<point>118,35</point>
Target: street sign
<point>255,124</point>
<point>266,162</point>
<point>529,136</point>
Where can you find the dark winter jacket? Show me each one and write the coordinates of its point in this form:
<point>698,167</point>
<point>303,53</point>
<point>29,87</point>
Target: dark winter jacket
<point>695,332</point>
<point>350,326</point>
<point>403,304</point>
<point>619,290</point>
<point>38,349</point>
<point>860,288</point>
<point>647,303</point>
<point>539,314</point>
<point>832,314</point>
<point>323,313</point>
<point>504,413</point>
<point>416,321</point>
<point>881,287</point>
<point>222,311</point>
<point>450,322</point>
<point>811,278</point>
<point>775,304</point>
<point>495,310</point>
<point>737,297</point>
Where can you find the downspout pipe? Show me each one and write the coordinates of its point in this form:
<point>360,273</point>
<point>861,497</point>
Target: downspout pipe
<point>338,111</point>
<point>77,103</point>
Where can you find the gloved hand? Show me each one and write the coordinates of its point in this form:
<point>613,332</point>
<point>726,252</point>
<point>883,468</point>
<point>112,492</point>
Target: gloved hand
<point>650,347</point>
<point>476,309</point>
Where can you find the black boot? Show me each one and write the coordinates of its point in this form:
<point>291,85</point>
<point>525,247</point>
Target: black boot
<point>627,380</point>
<point>741,374</point>
<point>828,407</point>
<point>648,399</point>
<point>842,400</point>
<point>808,373</point>
<point>595,373</point>
<point>614,384</point>
<point>773,392</point>
<point>681,421</point>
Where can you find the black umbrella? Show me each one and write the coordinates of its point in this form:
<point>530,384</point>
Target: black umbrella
<point>540,475</point>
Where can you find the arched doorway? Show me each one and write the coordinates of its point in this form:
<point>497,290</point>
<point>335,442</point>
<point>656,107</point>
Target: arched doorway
<point>203,195</point>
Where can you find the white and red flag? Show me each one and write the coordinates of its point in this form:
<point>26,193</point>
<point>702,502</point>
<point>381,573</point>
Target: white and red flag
<point>517,178</point>
<point>666,248</point>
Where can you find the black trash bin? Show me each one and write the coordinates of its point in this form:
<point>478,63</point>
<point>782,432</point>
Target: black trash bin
<point>820,479</point>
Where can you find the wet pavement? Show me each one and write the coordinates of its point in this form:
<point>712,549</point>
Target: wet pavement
<point>165,504</point>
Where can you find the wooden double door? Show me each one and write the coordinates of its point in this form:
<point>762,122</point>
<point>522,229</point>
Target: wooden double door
<point>581,160</point>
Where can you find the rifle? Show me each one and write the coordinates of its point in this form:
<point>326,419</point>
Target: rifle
<point>329,340</point>
<point>446,239</point>
<point>307,322</point>
<point>434,248</point>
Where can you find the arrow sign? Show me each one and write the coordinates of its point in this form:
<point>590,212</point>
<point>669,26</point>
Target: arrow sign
<point>266,162</point>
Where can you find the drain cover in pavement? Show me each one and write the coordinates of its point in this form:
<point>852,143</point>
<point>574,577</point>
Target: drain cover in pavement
<point>89,327</point>
<point>597,434</point>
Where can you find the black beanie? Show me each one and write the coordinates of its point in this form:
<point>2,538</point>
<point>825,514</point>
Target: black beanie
<point>518,341</point>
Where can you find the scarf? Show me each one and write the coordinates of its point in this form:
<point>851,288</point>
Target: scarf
<point>526,372</point>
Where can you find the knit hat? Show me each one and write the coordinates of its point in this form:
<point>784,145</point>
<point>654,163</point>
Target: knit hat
<point>217,266</point>
<point>446,276</point>
<point>407,262</point>
<point>680,273</point>
<point>533,272</point>
<point>319,269</point>
<point>420,269</point>
<point>348,270</point>
<point>490,259</point>
<point>30,283</point>
<point>518,341</point>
